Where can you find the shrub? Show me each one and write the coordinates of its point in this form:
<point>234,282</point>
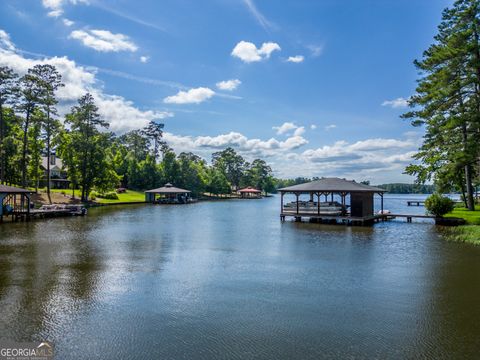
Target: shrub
<point>439,205</point>
<point>112,195</point>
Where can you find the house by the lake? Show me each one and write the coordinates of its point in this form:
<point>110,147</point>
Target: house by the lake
<point>58,173</point>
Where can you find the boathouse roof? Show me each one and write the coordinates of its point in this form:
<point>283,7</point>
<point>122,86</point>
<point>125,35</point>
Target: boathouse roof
<point>168,189</point>
<point>13,190</point>
<point>249,189</point>
<point>333,185</point>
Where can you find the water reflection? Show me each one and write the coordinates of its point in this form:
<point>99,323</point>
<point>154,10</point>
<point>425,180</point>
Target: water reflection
<point>228,279</point>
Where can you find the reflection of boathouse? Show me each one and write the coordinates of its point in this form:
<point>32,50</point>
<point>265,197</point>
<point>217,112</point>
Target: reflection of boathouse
<point>168,194</point>
<point>332,199</point>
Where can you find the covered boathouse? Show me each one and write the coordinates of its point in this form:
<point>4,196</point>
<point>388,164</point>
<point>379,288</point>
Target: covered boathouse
<point>15,202</point>
<point>332,200</point>
<point>168,194</point>
<point>250,193</point>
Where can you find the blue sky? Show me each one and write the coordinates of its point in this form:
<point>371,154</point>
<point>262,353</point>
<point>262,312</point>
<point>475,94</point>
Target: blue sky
<point>314,87</point>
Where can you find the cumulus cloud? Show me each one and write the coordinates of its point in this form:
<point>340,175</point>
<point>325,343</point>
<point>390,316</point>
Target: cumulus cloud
<point>254,147</point>
<point>192,96</point>
<point>289,127</point>
<point>55,7</point>
<point>144,59</point>
<point>121,113</point>
<point>228,85</point>
<point>248,52</point>
<point>68,22</point>
<point>370,155</point>
<point>313,126</point>
<point>296,58</point>
<point>330,127</point>
<point>396,103</point>
<point>104,40</point>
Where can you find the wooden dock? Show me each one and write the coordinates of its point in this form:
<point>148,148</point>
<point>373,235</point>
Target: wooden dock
<point>350,220</point>
<point>332,219</point>
<point>409,217</point>
<point>416,203</point>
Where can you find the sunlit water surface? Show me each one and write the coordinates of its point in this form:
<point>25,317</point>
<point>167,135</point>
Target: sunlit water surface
<point>218,280</point>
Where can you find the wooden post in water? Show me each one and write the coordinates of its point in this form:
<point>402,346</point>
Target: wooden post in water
<point>281,203</point>
<point>318,204</point>
<point>297,195</point>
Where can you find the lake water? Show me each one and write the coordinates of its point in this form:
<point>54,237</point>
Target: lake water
<point>228,280</point>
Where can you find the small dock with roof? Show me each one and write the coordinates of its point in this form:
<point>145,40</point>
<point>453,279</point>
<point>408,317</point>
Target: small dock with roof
<point>332,200</point>
<point>15,202</point>
<point>250,193</point>
<point>168,194</point>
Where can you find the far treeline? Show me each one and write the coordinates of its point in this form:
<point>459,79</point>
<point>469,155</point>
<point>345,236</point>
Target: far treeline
<point>96,159</point>
<point>447,104</point>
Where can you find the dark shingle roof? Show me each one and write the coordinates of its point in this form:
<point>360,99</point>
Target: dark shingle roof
<point>13,190</point>
<point>168,189</point>
<point>332,184</point>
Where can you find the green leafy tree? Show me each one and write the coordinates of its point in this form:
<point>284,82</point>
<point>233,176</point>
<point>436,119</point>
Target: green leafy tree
<point>8,90</point>
<point>31,92</point>
<point>217,182</point>
<point>88,142</point>
<point>51,80</point>
<point>35,147</point>
<point>154,132</point>
<point>447,100</point>
<point>231,164</point>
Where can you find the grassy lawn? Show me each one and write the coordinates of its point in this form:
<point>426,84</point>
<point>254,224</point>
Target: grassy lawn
<point>128,196</point>
<point>468,233</point>
<point>472,217</point>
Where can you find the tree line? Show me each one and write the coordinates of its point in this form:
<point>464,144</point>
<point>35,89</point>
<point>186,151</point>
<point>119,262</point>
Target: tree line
<point>447,104</point>
<point>95,158</point>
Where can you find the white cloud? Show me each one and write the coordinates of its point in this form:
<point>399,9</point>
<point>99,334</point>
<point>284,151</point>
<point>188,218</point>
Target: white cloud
<point>313,126</point>
<point>396,103</point>
<point>360,152</point>
<point>104,40</point>
<point>121,113</point>
<point>192,96</point>
<point>299,131</point>
<point>56,6</point>
<point>144,59</point>
<point>5,42</point>
<point>330,127</point>
<point>228,85</point>
<point>248,52</point>
<point>254,147</point>
<point>262,20</point>
<point>68,22</point>
<point>296,59</point>
<point>285,128</point>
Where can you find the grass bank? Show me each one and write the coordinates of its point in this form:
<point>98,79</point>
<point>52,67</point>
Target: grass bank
<point>126,197</point>
<point>471,217</point>
<point>65,196</point>
<point>467,233</point>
